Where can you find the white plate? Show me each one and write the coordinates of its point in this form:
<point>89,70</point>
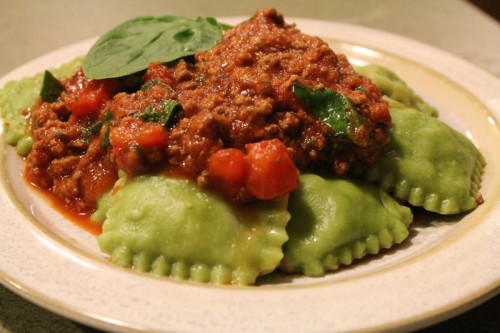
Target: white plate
<point>447,265</point>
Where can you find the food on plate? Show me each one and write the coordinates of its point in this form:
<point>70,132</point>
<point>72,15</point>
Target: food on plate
<point>330,227</point>
<point>428,164</point>
<point>17,97</point>
<point>133,45</point>
<point>220,154</point>
<point>179,230</point>
<point>395,90</point>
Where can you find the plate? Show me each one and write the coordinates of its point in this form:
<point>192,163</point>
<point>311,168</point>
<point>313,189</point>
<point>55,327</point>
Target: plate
<point>445,267</point>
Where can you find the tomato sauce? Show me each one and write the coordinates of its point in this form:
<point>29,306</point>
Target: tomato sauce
<point>82,218</point>
<point>233,96</point>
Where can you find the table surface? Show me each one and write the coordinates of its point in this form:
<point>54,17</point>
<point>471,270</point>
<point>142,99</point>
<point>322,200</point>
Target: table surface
<point>29,29</point>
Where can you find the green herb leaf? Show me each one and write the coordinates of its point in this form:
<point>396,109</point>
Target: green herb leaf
<point>51,88</point>
<point>170,108</point>
<point>150,83</point>
<point>331,107</point>
<point>133,45</point>
<point>95,128</point>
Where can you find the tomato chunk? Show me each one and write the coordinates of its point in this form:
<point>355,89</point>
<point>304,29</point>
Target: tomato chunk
<point>153,135</point>
<point>272,172</point>
<point>135,132</point>
<point>97,179</point>
<point>266,172</point>
<point>228,170</point>
<point>87,102</point>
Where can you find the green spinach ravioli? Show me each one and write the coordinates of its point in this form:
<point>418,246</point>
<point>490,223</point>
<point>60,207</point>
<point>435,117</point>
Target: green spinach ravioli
<point>19,95</point>
<point>428,164</point>
<point>335,221</point>
<point>170,227</point>
<point>395,89</point>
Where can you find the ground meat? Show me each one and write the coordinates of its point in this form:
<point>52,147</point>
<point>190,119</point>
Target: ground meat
<point>61,141</point>
<point>244,86</point>
<point>237,93</point>
<point>56,152</point>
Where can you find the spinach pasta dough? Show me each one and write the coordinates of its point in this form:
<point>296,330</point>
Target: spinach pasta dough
<point>18,96</point>
<point>429,164</point>
<point>335,221</point>
<point>170,227</point>
<point>395,90</point>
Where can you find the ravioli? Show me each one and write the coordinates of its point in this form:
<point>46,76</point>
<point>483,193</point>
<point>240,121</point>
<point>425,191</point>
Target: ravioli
<point>335,221</point>
<point>19,95</point>
<point>395,90</point>
<point>173,228</point>
<point>429,164</point>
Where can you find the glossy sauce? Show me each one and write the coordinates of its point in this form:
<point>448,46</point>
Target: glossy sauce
<point>237,93</point>
<point>80,219</point>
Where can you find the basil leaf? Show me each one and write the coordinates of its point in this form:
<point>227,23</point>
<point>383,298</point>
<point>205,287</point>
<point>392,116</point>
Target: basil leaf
<point>51,88</point>
<point>331,107</point>
<point>95,128</point>
<point>170,108</point>
<point>150,83</point>
<point>133,45</point>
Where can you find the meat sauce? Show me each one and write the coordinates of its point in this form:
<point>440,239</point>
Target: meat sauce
<point>216,119</point>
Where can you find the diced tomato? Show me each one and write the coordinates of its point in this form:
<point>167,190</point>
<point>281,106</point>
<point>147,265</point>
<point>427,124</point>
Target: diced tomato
<point>272,173</point>
<point>134,132</point>
<point>137,145</point>
<point>97,179</point>
<point>266,172</point>
<point>152,135</point>
<point>120,136</point>
<point>228,170</point>
<point>88,101</point>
